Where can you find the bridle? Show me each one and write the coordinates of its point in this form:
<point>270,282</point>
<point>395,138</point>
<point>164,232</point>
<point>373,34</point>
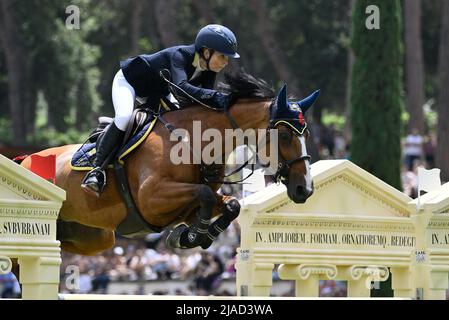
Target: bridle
<point>284,165</point>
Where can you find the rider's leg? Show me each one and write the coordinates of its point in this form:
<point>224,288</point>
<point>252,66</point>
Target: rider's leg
<point>123,96</point>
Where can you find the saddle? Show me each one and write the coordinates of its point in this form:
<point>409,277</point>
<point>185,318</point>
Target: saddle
<point>139,127</point>
<point>139,118</point>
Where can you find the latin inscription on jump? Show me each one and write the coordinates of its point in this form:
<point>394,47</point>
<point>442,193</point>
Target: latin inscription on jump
<point>439,239</point>
<point>24,228</point>
<point>330,238</point>
<point>438,232</point>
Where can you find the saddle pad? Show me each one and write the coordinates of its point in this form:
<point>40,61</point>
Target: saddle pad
<point>84,157</point>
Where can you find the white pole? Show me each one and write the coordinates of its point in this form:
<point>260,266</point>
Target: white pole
<point>418,205</point>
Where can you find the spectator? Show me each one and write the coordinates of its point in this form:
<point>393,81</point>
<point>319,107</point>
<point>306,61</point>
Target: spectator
<point>207,273</point>
<point>413,149</point>
<point>85,282</point>
<point>328,141</point>
<point>409,182</point>
<point>138,264</point>
<point>429,150</point>
<point>11,288</point>
<point>101,281</point>
<point>340,145</point>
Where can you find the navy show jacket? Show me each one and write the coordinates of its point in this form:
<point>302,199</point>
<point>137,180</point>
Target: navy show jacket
<point>142,73</point>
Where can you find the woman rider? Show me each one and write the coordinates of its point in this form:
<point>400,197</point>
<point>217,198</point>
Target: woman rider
<point>193,68</point>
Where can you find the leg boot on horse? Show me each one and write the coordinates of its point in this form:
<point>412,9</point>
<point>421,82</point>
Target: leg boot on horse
<point>231,211</point>
<point>189,237</point>
<point>95,180</point>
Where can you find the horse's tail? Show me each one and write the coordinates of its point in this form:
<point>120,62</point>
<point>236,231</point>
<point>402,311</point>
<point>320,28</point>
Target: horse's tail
<point>19,159</point>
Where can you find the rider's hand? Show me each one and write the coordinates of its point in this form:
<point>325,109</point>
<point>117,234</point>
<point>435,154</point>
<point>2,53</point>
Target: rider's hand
<point>222,100</point>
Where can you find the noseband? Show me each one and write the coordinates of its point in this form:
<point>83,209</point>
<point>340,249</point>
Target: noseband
<point>284,165</point>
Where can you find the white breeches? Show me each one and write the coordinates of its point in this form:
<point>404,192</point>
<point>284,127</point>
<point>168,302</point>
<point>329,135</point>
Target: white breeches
<point>123,97</point>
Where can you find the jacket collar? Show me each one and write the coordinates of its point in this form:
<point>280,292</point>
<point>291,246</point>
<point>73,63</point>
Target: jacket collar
<point>196,62</point>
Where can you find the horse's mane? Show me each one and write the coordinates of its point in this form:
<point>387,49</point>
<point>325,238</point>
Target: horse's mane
<point>243,85</point>
<point>240,85</point>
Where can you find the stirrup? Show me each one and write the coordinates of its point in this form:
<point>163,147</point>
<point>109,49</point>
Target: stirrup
<point>94,187</point>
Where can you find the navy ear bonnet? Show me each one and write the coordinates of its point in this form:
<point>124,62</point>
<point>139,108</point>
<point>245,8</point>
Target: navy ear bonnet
<point>291,113</point>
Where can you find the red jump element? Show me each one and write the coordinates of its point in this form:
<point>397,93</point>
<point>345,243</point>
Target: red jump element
<point>45,167</point>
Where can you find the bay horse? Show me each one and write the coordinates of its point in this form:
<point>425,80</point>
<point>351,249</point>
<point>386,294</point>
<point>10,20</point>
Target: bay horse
<point>172,196</point>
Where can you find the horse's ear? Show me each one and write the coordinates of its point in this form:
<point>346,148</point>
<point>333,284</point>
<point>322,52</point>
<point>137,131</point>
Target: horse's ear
<point>306,103</point>
<point>282,97</point>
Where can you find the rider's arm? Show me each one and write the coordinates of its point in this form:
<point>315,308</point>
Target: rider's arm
<point>179,77</point>
<point>209,80</point>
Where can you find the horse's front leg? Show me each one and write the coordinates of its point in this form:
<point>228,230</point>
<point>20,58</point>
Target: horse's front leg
<point>171,196</point>
<point>229,207</point>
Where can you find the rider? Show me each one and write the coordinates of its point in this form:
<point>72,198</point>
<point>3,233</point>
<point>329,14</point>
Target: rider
<point>193,68</point>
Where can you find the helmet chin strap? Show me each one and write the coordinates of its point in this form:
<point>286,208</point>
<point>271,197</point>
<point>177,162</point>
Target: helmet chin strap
<point>211,53</point>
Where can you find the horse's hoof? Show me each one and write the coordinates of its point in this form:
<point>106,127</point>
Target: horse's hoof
<point>174,237</point>
<point>206,243</point>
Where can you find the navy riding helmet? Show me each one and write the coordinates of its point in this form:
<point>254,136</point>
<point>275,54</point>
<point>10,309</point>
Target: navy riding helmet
<point>218,38</point>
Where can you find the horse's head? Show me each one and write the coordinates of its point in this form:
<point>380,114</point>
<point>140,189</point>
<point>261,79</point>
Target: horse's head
<point>294,163</point>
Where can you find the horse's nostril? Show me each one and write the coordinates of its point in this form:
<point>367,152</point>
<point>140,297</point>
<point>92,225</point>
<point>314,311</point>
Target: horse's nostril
<point>300,190</point>
<point>303,191</point>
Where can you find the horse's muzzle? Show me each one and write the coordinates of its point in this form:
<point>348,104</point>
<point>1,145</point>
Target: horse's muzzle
<point>299,193</point>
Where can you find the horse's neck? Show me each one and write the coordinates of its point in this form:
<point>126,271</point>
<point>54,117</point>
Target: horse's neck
<point>251,114</point>
<point>247,114</point>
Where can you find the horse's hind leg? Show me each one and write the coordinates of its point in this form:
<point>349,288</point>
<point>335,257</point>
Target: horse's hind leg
<point>79,239</point>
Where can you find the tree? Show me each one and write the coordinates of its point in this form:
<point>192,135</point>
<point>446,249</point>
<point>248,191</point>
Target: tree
<point>314,37</point>
<point>350,59</point>
<point>414,65</point>
<point>205,11</point>
<point>11,41</point>
<point>442,152</point>
<point>376,96</point>
<point>166,21</point>
<point>272,49</point>
<point>431,17</point>
<point>136,24</point>
<point>376,91</point>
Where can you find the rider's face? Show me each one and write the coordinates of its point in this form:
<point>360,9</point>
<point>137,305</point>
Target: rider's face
<point>218,62</point>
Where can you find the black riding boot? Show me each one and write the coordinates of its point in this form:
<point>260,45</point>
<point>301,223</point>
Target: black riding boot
<point>95,180</point>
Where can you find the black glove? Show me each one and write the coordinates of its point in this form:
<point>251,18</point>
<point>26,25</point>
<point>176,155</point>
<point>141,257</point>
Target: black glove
<point>221,100</point>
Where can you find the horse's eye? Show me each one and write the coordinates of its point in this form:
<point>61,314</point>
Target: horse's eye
<point>285,136</point>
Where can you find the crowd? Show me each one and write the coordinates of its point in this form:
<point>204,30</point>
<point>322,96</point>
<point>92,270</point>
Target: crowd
<point>150,259</point>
